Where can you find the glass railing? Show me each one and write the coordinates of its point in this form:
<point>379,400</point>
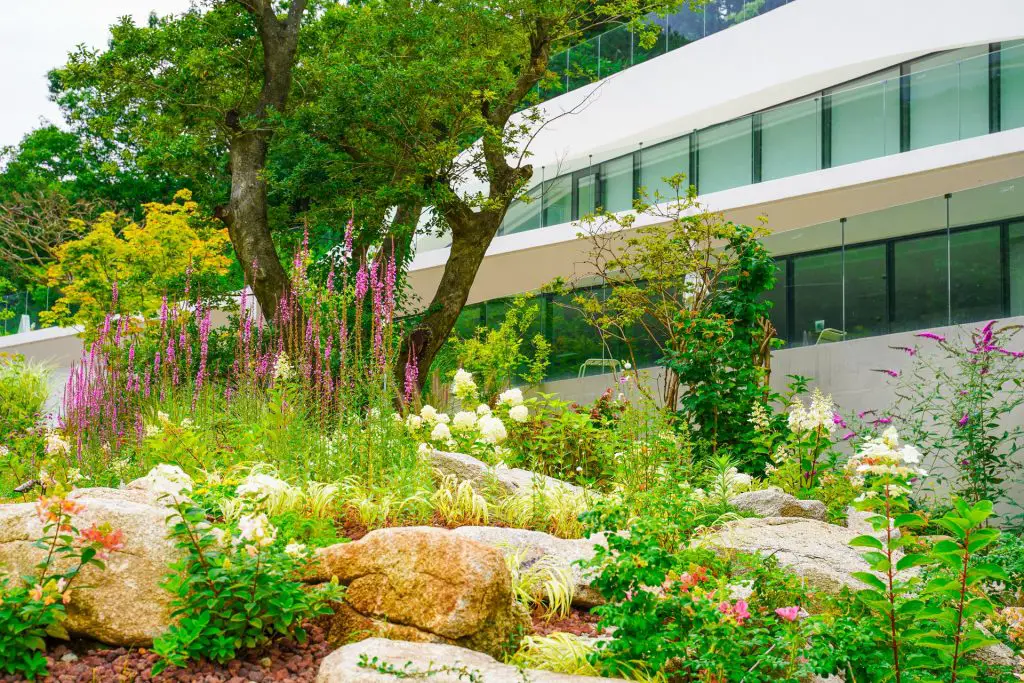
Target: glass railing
<point>925,102</point>
<point>19,311</point>
<point>619,48</point>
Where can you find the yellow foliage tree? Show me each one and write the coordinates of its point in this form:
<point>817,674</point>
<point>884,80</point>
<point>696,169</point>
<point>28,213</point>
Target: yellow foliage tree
<point>147,261</point>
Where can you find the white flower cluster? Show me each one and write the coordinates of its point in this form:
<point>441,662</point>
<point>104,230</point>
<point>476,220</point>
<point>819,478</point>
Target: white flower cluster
<point>885,456</point>
<point>55,444</point>
<point>819,416</point>
<point>283,368</point>
<point>257,530</point>
<point>259,485</point>
<point>165,480</point>
<point>511,398</point>
<point>463,385</point>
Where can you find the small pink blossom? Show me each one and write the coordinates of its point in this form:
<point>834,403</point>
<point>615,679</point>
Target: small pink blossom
<point>788,613</point>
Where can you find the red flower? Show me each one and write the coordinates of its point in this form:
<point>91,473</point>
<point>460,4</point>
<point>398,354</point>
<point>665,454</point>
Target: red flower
<point>109,540</point>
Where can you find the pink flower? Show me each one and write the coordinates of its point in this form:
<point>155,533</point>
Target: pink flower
<point>931,335</point>
<point>738,611</point>
<point>963,420</point>
<point>788,613</point>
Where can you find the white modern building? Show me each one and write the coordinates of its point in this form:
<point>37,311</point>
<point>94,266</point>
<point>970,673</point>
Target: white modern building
<point>882,139</point>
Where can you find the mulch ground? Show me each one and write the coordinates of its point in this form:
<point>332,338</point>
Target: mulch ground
<point>283,660</point>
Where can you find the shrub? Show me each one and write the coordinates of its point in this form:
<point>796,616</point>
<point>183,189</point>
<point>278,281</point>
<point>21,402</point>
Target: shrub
<point>23,393</point>
<point>233,591</point>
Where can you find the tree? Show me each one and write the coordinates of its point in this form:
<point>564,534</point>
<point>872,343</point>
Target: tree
<point>284,114</point>
<point>199,96</point>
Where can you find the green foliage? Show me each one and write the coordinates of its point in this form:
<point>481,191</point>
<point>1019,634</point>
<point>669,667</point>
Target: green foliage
<point>719,351</point>
<point>500,357</point>
<point>23,393</point>
<point>33,609</point>
<point>957,400</point>
<point>233,592</point>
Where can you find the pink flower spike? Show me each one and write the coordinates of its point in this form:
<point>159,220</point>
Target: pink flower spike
<point>788,613</point>
<point>848,436</point>
<point>931,335</point>
<point>963,420</point>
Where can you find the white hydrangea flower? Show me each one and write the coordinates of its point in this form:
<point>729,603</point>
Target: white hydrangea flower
<point>414,422</point>
<point>261,485</point>
<point>429,414</point>
<point>819,415</point>
<point>910,455</point>
<point>440,432</point>
<point>511,397</point>
<point>444,418</point>
<point>463,385</point>
<point>257,529</point>
<point>295,549</point>
<point>55,444</point>
<point>464,421</point>
<point>519,413</point>
<point>483,409</point>
<point>166,479</point>
<point>283,368</point>
<point>492,429</point>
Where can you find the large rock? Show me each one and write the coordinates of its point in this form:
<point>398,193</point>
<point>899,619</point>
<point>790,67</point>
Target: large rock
<point>424,584</point>
<point>431,662</point>
<point>817,551</point>
<point>535,546</point>
<point>774,502</point>
<point>507,480</point>
<point>123,604</point>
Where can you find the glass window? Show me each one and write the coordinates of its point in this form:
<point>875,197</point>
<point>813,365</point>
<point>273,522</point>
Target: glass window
<point>573,340</point>
<point>866,303</point>
<point>522,215</point>
<point>1017,268</point>
<point>920,287</point>
<point>558,200</point>
<point>977,291</point>
<point>663,161</point>
<point>790,139</point>
<point>865,118</point>
<point>558,64</point>
<point>779,315</point>
<point>586,194</point>
<point>725,156</point>
<point>470,318</point>
<point>817,296</point>
<point>949,97</point>
<point>641,53</point>
<point>1011,84</point>
<point>617,184</point>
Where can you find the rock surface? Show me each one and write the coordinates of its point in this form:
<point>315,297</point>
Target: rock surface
<point>817,551</point>
<point>508,480</point>
<point>446,664</point>
<point>774,502</point>
<point>534,546</point>
<point>124,604</point>
<point>423,584</point>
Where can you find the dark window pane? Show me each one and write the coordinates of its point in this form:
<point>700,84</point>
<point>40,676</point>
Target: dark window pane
<point>1017,268</point>
<point>780,309</point>
<point>866,304</point>
<point>817,296</point>
<point>469,320</point>
<point>921,285</point>
<point>977,291</point>
<point>573,340</point>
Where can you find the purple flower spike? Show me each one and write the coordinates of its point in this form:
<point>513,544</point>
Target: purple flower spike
<point>963,420</point>
<point>847,436</point>
<point>931,335</point>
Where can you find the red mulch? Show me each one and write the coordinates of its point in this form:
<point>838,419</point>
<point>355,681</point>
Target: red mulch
<point>282,660</point>
<point>577,622</point>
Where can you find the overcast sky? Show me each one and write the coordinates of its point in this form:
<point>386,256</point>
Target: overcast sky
<point>37,35</point>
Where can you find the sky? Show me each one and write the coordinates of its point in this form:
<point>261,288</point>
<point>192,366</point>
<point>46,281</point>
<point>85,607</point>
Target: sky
<point>36,36</point>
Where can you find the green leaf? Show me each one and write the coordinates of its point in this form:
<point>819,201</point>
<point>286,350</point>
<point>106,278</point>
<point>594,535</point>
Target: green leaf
<point>912,560</point>
<point>866,541</point>
<point>871,580</point>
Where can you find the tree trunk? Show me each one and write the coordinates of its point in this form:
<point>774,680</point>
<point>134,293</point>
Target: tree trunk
<point>249,228</point>
<point>472,234</point>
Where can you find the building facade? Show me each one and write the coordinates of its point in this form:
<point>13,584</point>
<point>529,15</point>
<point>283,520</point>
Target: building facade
<point>882,141</point>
